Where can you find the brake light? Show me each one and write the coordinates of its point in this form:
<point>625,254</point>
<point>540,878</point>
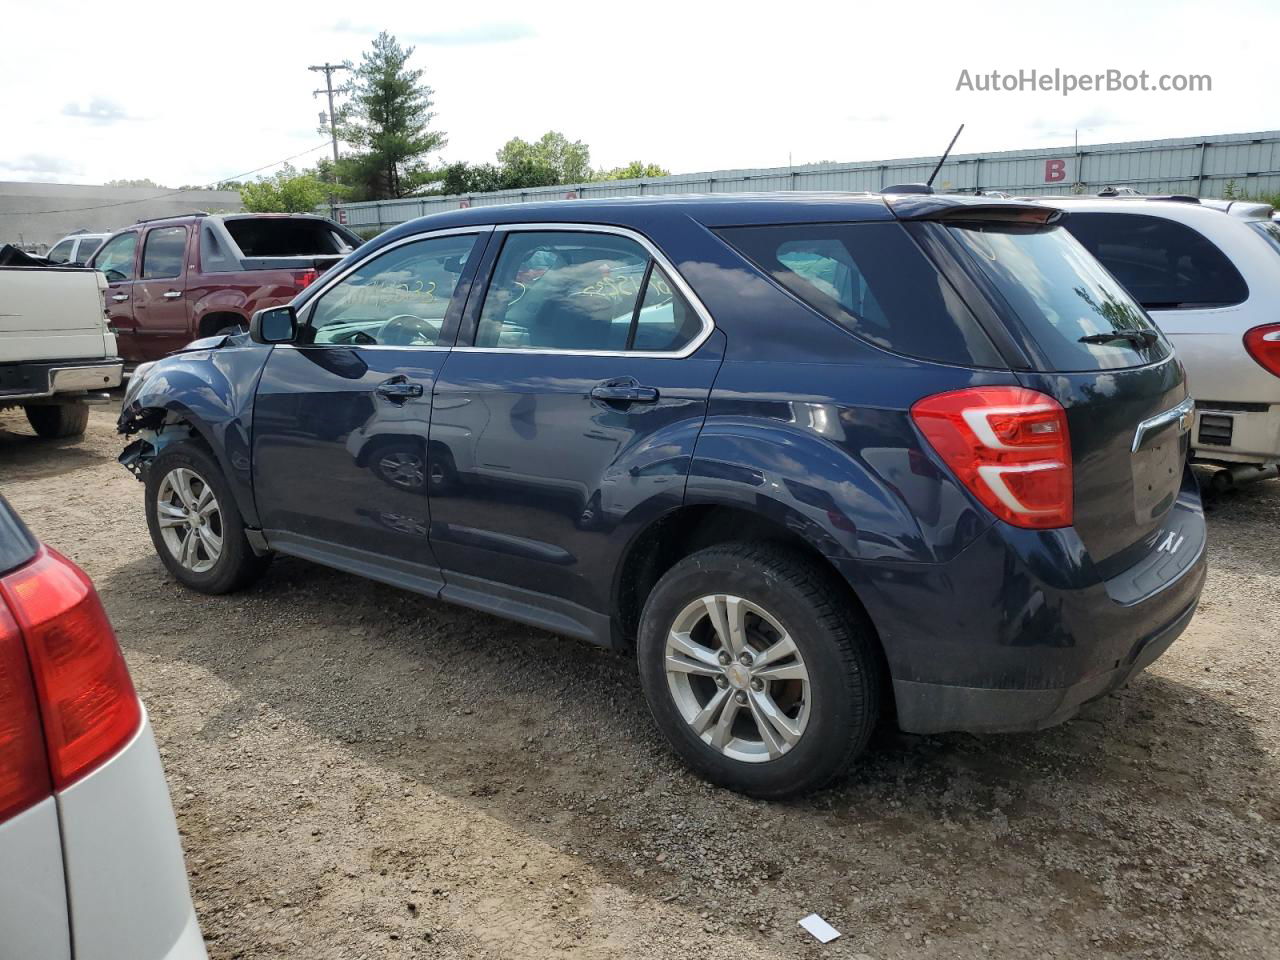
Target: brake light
<point>1009,446</point>
<point>1263,344</point>
<point>306,278</point>
<point>24,769</point>
<point>87,700</point>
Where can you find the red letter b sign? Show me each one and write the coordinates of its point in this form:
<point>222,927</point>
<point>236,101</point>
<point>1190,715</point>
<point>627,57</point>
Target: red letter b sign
<point>1055,170</point>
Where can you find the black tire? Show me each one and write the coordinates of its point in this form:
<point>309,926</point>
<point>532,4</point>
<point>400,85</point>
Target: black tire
<point>835,641</point>
<point>58,421</point>
<point>237,565</point>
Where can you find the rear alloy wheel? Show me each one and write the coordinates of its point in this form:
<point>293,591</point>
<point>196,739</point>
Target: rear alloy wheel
<point>195,525</point>
<point>759,668</point>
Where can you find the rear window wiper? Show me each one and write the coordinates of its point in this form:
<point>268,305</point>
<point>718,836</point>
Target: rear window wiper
<point>1139,338</point>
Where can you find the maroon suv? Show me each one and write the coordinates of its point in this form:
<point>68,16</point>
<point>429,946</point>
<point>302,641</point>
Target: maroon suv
<point>180,278</point>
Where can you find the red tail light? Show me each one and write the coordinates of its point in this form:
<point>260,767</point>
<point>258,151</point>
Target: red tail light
<point>1263,344</point>
<point>86,697</point>
<point>24,769</point>
<point>1009,446</point>
<point>306,278</point>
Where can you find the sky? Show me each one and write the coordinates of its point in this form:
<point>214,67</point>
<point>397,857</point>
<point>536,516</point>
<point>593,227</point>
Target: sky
<point>134,89</point>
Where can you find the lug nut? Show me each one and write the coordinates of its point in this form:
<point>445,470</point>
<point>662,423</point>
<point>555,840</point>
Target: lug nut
<point>757,684</point>
<point>722,682</point>
<point>741,697</point>
<point>745,658</point>
<point>724,658</point>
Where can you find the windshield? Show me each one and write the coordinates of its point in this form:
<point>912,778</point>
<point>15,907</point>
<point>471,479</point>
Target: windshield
<point>1079,316</point>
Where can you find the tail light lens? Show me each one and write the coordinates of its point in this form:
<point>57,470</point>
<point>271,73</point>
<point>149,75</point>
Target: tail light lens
<point>24,768</point>
<point>1009,446</point>
<point>87,701</point>
<point>306,278</point>
<point>1263,344</point>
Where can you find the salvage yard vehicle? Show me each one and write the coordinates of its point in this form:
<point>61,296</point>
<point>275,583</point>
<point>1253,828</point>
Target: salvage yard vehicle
<point>179,278</point>
<point>56,354</point>
<point>90,862</point>
<point>819,459</point>
<point>1208,273</point>
<point>76,249</point>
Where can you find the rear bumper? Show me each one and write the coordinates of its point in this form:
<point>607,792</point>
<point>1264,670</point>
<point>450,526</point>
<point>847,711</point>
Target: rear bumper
<point>40,379</point>
<point>1022,628</point>
<point>937,707</point>
<point>1227,433</point>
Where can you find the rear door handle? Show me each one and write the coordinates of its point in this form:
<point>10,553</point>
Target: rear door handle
<point>400,390</point>
<point>624,390</point>
<point>117,297</point>
<point>173,294</point>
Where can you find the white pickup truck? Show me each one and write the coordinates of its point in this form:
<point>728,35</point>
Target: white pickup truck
<point>56,354</point>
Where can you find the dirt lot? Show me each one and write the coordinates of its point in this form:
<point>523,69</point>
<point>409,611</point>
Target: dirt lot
<point>359,772</point>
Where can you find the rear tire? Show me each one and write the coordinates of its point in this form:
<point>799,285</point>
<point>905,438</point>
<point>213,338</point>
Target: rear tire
<point>58,421</point>
<point>801,718</point>
<point>195,525</point>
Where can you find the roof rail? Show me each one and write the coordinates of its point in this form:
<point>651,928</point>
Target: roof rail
<point>174,216</point>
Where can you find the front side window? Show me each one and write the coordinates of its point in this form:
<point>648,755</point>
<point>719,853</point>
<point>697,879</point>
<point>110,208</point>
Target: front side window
<point>397,298</point>
<point>115,259</point>
<point>163,252</point>
<point>1077,314</point>
<point>582,290</point>
<point>61,253</point>
<point>873,280</point>
<point>1164,264</point>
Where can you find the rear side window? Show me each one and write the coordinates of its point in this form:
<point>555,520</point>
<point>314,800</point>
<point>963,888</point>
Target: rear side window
<point>582,290</point>
<point>163,252</point>
<point>872,279</point>
<point>86,249</point>
<point>1071,307</point>
<point>1166,265</point>
<point>286,237</point>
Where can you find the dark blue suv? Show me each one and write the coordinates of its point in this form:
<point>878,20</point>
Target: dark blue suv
<point>817,459</point>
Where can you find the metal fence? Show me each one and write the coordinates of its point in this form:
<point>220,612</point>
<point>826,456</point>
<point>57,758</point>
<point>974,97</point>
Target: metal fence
<point>1199,166</point>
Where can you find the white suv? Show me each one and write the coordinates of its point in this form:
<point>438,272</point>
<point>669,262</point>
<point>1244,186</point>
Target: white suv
<point>1208,272</point>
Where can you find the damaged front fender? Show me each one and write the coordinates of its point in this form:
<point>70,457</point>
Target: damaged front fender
<point>201,393</point>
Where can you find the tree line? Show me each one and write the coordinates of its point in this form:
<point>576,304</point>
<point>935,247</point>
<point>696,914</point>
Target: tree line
<point>386,124</point>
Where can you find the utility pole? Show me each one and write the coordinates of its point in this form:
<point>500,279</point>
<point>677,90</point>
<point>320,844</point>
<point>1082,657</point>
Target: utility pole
<point>329,69</point>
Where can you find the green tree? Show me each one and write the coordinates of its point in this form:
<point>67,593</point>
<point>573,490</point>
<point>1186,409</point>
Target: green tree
<point>288,191</point>
<point>143,182</point>
<point>546,162</point>
<point>635,170</point>
<point>464,177</point>
<point>387,121</point>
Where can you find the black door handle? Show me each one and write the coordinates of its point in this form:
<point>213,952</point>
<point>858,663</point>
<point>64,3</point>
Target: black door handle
<point>624,390</point>
<point>398,389</point>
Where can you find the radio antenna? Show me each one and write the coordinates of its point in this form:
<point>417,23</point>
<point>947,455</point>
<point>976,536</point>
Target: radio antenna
<point>943,159</point>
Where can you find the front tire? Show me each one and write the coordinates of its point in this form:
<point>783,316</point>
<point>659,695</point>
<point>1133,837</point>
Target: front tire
<point>760,671</point>
<point>58,421</point>
<point>195,525</point>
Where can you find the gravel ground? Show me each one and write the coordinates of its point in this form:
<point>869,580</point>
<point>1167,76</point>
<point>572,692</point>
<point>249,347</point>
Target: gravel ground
<point>360,772</point>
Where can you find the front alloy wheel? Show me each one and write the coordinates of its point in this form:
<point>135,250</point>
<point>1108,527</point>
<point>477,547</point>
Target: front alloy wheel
<point>737,678</point>
<point>190,519</point>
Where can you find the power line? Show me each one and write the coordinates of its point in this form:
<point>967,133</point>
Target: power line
<point>169,193</point>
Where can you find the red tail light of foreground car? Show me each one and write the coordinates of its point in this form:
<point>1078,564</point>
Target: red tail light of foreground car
<point>67,703</point>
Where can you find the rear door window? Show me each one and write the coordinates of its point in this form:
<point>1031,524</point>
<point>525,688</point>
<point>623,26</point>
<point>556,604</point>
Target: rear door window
<point>1166,265</point>
<point>1076,313</point>
<point>163,252</point>
<point>86,249</point>
<point>873,280</point>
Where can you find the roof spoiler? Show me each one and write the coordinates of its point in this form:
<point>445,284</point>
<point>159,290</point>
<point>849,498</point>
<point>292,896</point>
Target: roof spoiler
<point>949,207</point>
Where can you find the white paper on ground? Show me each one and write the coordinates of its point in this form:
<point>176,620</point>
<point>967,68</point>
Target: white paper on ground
<point>821,930</point>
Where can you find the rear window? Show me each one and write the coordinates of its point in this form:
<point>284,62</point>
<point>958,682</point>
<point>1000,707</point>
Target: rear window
<point>1062,296</point>
<point>281,237</point>
<point>873,280</point>
<point>1166,265</point>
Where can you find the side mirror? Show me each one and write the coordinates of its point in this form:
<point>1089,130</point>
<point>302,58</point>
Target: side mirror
<point>274,325</point>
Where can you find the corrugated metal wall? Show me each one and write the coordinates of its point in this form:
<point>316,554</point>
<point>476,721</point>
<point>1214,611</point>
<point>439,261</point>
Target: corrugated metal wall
<point>1200,166</point>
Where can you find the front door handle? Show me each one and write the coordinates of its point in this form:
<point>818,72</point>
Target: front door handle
<point>624,390</point>
<point>398,390</point>
<point>173,294</point>
<point>117,297</point>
